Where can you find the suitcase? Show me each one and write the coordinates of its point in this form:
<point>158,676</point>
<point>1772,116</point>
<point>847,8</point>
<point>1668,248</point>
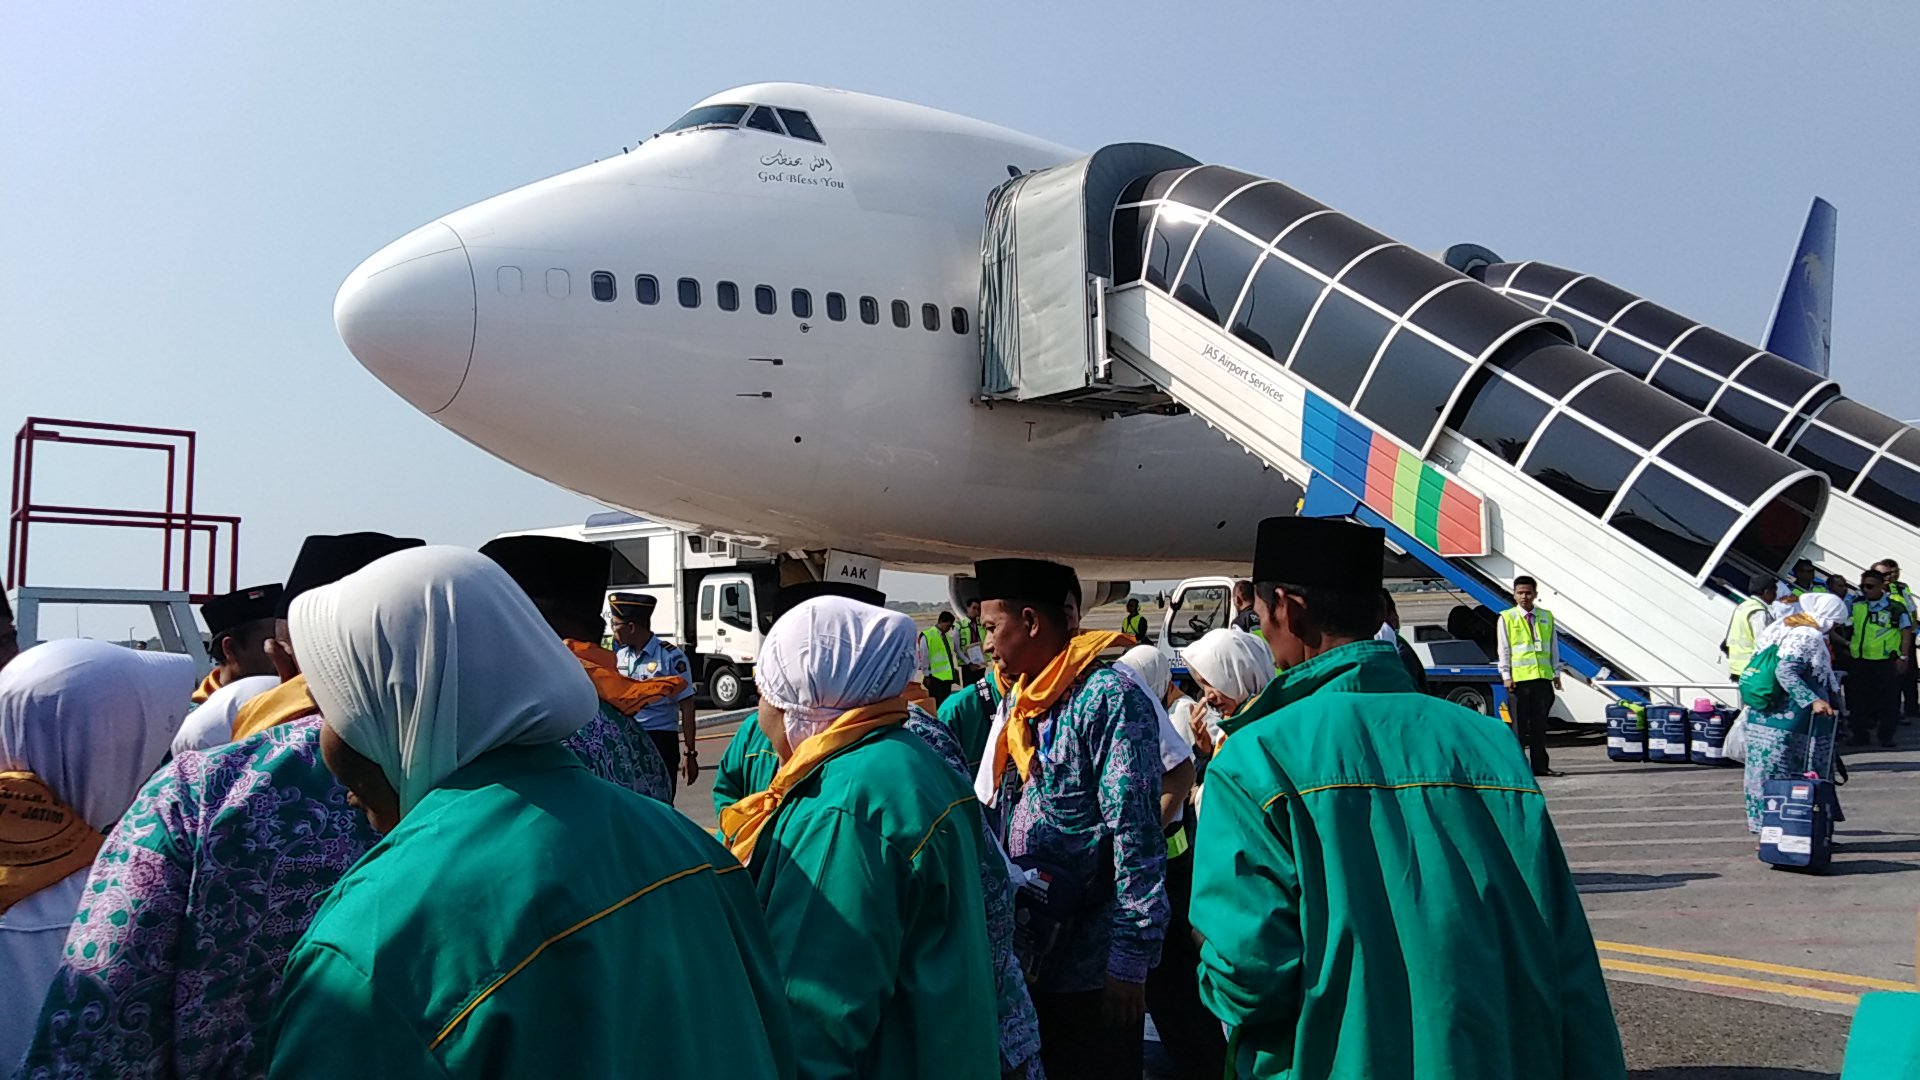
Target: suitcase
<point>1626,732</point>
<point>1796,828</point>
<point>1707,735</point>
<point>1667,735</point>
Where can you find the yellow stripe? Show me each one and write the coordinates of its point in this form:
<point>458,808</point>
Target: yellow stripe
<point>936,824</point>
<point>568,932</point>
<point>1714,978</point>
<point>1811,974</point>
<point>1401,787</point>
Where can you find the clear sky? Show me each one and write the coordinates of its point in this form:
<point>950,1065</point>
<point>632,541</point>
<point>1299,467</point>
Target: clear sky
<point>183,186</point>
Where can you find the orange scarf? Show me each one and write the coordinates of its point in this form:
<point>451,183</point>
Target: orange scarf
<point>42,840</point>
<point>743,820</point>
<point>1032,700</point>
<point>916,694</point>
<point>288,701</point>
<point>627,695</point>
<point>207,686</point>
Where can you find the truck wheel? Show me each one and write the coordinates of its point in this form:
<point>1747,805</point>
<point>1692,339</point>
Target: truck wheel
<point>727,689</point>
<point>1473,697</point>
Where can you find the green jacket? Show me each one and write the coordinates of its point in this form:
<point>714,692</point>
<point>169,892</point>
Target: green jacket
<point>968,713</point>
<point>747,766</point>
<point>530,919</point>
<point>870,878</point>
<point>1382,893</point>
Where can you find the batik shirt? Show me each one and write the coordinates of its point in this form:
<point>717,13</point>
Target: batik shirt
<point>1093,795</point>
<point>620,753</point>
<point>191,909</point>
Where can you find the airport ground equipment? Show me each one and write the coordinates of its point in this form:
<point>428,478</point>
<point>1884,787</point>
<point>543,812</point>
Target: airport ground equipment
<point>1871,460</point>
<point>1469,426</point>
<point>188,575</point>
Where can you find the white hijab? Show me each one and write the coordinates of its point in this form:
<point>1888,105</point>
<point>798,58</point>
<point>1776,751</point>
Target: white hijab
<point>429,658</point>
<point>831,654</point>
<point>93,720</point>
<point>1150,669</point>
<point>1231,661</point>
<point>1151,674</point>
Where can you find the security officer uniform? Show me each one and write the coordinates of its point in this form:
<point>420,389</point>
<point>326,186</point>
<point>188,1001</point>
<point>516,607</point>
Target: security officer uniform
<point>1530,658</point>
<point>1873,675</point>
<point>656,659</point>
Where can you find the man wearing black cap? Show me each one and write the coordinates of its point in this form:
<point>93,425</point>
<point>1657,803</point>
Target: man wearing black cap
<point>1073,770</point>
<point>642,655</point>
<point>226,856</point>
<point>9,634</point>
<point>1377,882</point>
<point>567,582</point>
<point>239,625</point>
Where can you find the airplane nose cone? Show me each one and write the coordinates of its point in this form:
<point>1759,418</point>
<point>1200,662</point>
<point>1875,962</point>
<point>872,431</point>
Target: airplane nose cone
<point>408,315</point>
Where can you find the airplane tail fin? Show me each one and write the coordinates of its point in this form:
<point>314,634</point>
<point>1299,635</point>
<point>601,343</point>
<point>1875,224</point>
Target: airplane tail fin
<point>1803,318</point>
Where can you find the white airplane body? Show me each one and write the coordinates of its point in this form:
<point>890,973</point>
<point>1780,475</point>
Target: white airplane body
<point>797,431</point>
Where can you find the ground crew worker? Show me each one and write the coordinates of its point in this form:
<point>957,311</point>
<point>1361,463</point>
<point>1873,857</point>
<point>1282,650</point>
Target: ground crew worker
<point>973,656</point>
<point>936,657</point>
<point>1377,884</point>
<point>1881,648</point>
<point>1135,624</point>
<point>642,655</point>
<point>1530,668</point>
<point>1898,591</point>
<point>1751,617</point>
<point>1803,579</point>
<point>1244,617</point>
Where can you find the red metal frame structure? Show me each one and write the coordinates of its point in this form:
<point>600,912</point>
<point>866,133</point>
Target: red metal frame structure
<point>177,515</point>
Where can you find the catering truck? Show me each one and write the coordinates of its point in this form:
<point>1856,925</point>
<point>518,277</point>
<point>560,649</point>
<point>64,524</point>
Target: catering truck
<point>713,594</point>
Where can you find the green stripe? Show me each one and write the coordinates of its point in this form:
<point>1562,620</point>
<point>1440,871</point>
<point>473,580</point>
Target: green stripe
<point>1428,514</point>
<point>1406,490</point>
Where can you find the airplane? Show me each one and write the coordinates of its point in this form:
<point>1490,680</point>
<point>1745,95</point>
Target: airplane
<point>760,321</point>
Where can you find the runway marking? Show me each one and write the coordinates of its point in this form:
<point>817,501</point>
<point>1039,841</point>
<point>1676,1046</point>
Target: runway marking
<point>1714,978</point>
<point>1571,810</point>
<point>1740,822</point>
<point>1630,842</point>
<point>1762,966</point>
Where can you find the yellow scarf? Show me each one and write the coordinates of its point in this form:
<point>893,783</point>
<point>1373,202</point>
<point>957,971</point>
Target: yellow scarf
<point>288,701</point>
<point>1801,618</point>
<point>1031,700</point>
<point>42,840</point>
<point>207,686</point>
<point>743,820</point>
<point>629,696</point>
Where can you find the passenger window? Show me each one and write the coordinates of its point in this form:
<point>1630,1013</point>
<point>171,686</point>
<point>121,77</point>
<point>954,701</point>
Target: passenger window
<point>762,119</point>
<point>802,304</point>
<point>836,307</point>
<point>930,316</point>
<point>959,320</point>
<point>869,310</point>
<point>689,292</point>
<point>764,300</point>
<point>727,295</point>
<point>799,125</point>
<point>646,289</point>
<point>706,602</point>
<point>902,315</point>
<point>603,286</point>
<point>734,609</point>
<point>559,283</point>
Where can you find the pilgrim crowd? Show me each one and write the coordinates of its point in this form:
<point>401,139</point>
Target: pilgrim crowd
<point>418,821</point>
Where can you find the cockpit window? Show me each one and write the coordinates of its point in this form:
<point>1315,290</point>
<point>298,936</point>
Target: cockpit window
<point>762,119</point>
<point>709,116</point>
<point>765,118</point>
<point>799,125</point>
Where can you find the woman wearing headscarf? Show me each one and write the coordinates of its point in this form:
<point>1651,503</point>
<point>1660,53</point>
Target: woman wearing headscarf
<point>1190,1034</point>
<point>865,854</point>
<point>82,726</point>
<point>1231,666</point>
<point>1796,735</point>
<point>521,917</point>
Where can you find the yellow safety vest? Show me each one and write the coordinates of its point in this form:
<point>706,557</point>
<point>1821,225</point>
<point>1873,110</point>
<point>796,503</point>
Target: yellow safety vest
<point>1532,654</point>
<point>1135,627</point>
<point>1876,634</point>
<point>939,657</point>
<point>1740,637</point>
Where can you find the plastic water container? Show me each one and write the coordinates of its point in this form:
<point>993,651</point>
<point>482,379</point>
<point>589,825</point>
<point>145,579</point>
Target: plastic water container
<point>1796,826</point>
<point>1667,735</point>
<point>1626,732</point>
<point>1707,731</point>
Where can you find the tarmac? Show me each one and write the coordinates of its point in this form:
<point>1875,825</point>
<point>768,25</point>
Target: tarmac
<point>1720,967</point>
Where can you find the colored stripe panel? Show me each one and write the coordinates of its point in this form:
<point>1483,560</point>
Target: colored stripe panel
<point>1391,480</point>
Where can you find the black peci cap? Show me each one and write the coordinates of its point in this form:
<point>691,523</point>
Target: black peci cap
<point>324,560</point>
<point>1024,579</point>
<point>633,605</point>
<point>569,574</point>
<point>236,609</point>
<point>1320,553</point>
<point>794,595</point>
